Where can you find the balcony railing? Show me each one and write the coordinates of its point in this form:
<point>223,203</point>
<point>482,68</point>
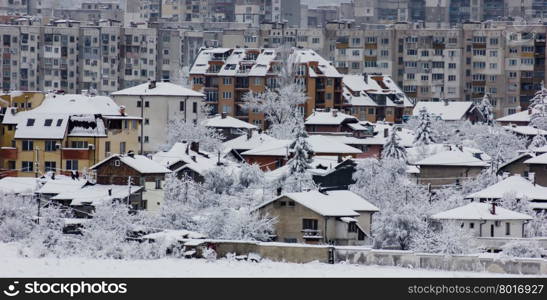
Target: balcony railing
<point>311,234</point>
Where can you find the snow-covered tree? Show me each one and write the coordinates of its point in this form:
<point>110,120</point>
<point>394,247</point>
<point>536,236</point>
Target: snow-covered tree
<point>16,213</point>
<point>537,227</point>
<point>449,238</point>
<point>538,141</point>
<point>180,130</point>
<point>523,249</point>
<point>392,149</point>
<point>219,179</point>
<point>486,109</point>
<point>298,177</point>
<point>540,96</point>
<point>538,105</point>
<point>424,133</point>
<point>250,175</point>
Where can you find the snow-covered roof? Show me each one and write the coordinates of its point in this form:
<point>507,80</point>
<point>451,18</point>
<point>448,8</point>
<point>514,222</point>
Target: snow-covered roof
<point>330,203</point>
<point>416,153</point>
<point>521,186</point>
<point>139,163</point>
<point>96,194</point>
<point>525,130</point>
<point>452,158</point>
<point>19,185</point>
<point>243,142</point>
<point>219,121</point>
<point>448,111</point>
<point>61,184</point>
<point>161,89</point>
<point>539,149</point>
<point>318,144</point>
<point>41,126</point>
<point>480,211</point>
<point>521,116</point>
<point>257,62</point>
<point>198,162</point>
<point>77,104</point>
<point>538,160</point>
<point>367,88</point>
<point>329,118</point>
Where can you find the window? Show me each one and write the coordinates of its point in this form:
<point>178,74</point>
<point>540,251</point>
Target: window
<point>227,81</point>
<point>227,95</point>
<point>352,227</point>
<point>122,147</point>
<point>471,225</point>
<point>48,122</point>
<point>30,122</point>
<point>195,107</point>
<point>507,228</point>
<point>107,149</point>
<point>139,104</point>
<point>50,166</point>
<point>79,144</point>
<point>158,184</point>
<point>72,164</point>
<point>28,145</point>
<point>309,224</point>
<point>59,122</point>
<point>50,146</point>
<point>27,166</point>
<point>146,139</point>
<point>146,103</point>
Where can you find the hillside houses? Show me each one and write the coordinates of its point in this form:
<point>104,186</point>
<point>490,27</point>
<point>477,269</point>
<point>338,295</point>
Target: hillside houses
<point>337,217</point>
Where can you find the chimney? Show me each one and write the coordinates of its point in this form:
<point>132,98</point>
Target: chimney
<point>249,134</point>
<point>152,84</point>
<point>223,115</point>
<point>131,154</point>
<point>493,209</point>
<point>193,157</point>
<point>365,77</point>
<point>194,146</point>
<point>122,110</point>
<point>532,177</point>
<point>445,101</point>
<point>386,132</point>
<point>335,113</point>
<point>340,158</point>
<point>109,192</point>
<point>529,110</point>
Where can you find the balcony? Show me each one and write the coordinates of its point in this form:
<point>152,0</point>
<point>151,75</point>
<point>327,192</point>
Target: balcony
<point>8,153</point>
<point>311,234</point>
<point>76,153</point>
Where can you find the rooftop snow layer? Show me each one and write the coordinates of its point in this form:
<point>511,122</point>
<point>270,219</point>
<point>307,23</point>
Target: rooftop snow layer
<point>521,186</point>
<point>450,111</point>
<point>140,163</point>
<point>479,211</point>
<point>452,158</point>
<point>161,89</point>
<point>329,118</point>
<point>228,122</point>
<point>539,160</point>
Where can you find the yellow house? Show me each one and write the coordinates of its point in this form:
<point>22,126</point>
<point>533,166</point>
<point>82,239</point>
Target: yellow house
<point>21,100</point>
<point>65,133</point>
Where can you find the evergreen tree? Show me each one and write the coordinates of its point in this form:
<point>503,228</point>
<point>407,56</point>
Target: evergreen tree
<point>392,149</point>
<point>424,132</point>
<point>300,162</point>
<point>486,109</point>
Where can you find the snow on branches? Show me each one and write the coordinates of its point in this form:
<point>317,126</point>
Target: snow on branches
<point>424,133</point>
<point>392,149</point>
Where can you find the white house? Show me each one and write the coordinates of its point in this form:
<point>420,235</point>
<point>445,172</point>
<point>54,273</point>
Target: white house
<point>158,103</point>
<point>486,220</point>
<point>452,111</point>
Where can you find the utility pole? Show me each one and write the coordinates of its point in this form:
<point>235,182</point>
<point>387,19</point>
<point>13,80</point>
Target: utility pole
<point>38,213</point>
<point>142,125</point>
<point>129,186</point>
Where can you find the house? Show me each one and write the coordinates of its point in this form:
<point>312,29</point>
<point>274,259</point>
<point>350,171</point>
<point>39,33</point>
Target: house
<point>65,133</point>
<point>158,103</point>
<point>84,200</point>
<point>229,127</point>
<point>451,111</point>
<point>331,122</point>
<point>186,159</point>
<point>137,170</point>
<point>486,220</point>
<point>329,217</point>
<point>527,132</point>
<point>275,154</point>
<point>449,167</point>
<point>538,166</point>
<point>416,153</point>
<point>233,148</point>
<point>516,165</point>
<point>375,98</point>
<point>520,187</point>
<point>521,118</point>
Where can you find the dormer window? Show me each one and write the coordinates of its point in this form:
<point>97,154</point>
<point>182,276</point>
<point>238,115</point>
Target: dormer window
<point>30,122</point>
<point>59,122</point>
<point>48,122</point>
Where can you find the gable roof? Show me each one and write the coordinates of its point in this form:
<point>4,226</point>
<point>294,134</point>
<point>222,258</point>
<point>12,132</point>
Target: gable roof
<point>243,142</point>
<point>329,118</point>
<point>521,186</point>
<point>331,203</point>
<point>161,89</point>
<point>41,126</point>
<point>178,153</point>
<point>479,211</point>
<point>525,130</point>
<point>538,160</point>
<point>228,122</point>
<point>139,163</point>
<point>521,116</point>
<point>96,194</point>
<point>452,158</point>
<point>318,144</point>
<point>450,111</point>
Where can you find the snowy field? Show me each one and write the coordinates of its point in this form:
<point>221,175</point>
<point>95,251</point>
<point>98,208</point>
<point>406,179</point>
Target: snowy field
<point>13,265</point>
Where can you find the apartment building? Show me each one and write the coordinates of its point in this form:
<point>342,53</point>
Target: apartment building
<point>65,133</point>
<point>227,74</point>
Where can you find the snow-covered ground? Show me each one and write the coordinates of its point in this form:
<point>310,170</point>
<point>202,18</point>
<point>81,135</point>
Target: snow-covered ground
<point>13,265</point>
